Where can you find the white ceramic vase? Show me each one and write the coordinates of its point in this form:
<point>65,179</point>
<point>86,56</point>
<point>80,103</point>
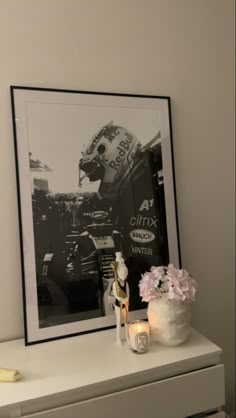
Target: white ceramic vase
<point>169,321</point>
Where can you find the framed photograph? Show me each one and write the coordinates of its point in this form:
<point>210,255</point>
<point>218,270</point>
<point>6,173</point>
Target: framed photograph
<point>95,176</point>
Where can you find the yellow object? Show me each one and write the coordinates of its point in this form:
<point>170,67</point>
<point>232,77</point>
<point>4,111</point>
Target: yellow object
<point>9,375</point>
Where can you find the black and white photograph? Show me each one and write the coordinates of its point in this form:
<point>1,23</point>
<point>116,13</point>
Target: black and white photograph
<point>95,177</point>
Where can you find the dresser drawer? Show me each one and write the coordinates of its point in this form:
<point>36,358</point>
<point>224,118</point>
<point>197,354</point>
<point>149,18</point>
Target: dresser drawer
<point>175,397</point>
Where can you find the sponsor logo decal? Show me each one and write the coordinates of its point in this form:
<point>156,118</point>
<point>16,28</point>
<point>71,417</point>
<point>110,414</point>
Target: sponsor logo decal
<point>122,150</point>
<point>142,235</point>
<point>96,139</point>
<point>147,204</point>
<point>141,250</point>
<point>144,221</point>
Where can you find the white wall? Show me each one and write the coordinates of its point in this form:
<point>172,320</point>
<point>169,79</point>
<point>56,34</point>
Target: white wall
<point>180,48</point>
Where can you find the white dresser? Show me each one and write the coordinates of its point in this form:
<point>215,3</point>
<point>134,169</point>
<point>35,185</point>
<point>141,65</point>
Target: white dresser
<point>89,376</point>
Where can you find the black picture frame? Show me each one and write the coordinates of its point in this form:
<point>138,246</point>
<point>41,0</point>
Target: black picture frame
<point>95,175</point>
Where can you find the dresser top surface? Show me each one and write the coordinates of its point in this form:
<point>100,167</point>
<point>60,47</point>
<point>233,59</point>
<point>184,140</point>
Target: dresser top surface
<point>94,360</point>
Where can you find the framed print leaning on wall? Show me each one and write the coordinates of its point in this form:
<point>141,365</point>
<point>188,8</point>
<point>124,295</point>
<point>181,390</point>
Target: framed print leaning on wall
<point>95,176</point>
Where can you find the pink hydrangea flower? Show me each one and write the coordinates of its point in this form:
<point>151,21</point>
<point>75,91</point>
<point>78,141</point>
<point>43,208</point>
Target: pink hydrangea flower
<point>147,287</point>
<point>176,284</point>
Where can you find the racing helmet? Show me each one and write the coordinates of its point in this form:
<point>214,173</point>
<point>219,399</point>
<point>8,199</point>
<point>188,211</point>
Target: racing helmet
<point>109,156</point>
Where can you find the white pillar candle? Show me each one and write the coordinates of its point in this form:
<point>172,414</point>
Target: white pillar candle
<point>139,336</point>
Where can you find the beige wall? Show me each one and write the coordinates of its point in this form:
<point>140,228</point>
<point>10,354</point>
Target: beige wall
<point>180,48</point>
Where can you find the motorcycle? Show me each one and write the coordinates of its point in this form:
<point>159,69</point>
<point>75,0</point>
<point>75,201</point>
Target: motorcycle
<point>87,279</point>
